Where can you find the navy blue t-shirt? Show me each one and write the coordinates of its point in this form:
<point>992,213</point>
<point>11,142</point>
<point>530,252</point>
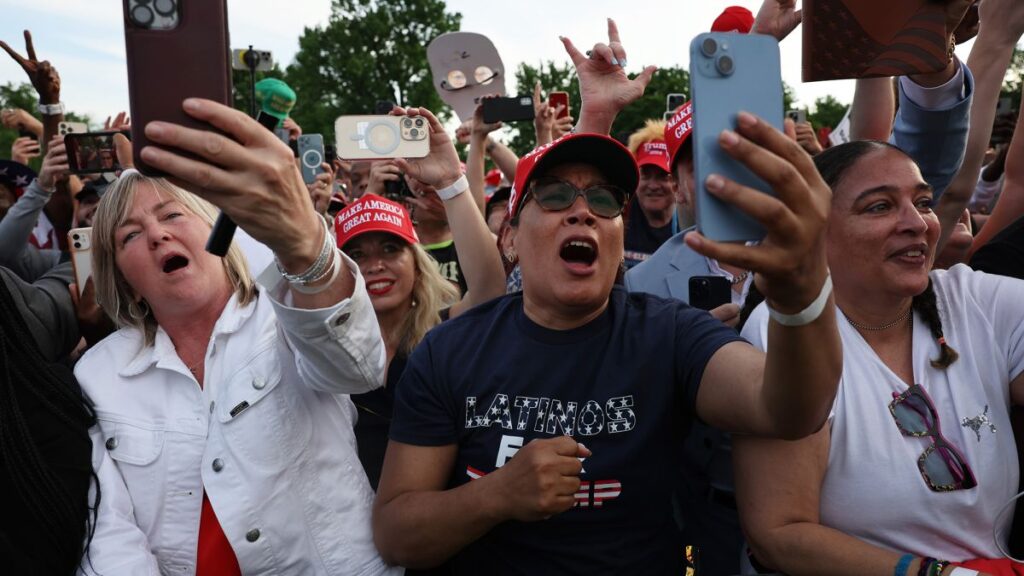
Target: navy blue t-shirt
<point>625,385</point>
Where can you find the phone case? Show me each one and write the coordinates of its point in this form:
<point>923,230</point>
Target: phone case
<point>743,73</point>
<point>709,292</point>
<point>65,128</point>
<point>80,244</point>
<point>886,37</point>
<point>167,66</point>
<point>372,137</point>
<point>556,98</point>
<point>311,156</point>
<point>511,109</point>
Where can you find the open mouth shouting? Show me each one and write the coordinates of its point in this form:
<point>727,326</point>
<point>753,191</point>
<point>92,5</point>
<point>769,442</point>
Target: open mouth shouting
<point>579,255</point>
<point>172,263</point>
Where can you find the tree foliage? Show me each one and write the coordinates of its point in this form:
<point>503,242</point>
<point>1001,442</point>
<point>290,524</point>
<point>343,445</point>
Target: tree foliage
<point>369,50</point>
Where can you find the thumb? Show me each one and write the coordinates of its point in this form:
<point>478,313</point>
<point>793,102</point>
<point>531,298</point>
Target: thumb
<point>123,150</point>
<point>789,127</point>
<point>644,77</point>
<point>582,451</point>
<point>73,288</point>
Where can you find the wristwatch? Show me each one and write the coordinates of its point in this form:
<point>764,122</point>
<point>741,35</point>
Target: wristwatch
<point>51,109</point>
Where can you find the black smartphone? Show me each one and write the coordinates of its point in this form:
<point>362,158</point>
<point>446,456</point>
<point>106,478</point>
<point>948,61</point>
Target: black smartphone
<point>709,292</point>
<point>23,133</point>
<point>507,109</point>
<point>91,152</point>
<point>397,190</point>
<point>330,154</point>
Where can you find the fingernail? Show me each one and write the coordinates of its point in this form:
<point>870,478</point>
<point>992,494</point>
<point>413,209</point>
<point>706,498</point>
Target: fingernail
<point>148,154</point>
<point>615,61</point>
<point>191,104</point>
<point>623,62</point>
<point>714,182</point>
<point>730,138</point>
<point>154,129</point>
<point>746,119</point>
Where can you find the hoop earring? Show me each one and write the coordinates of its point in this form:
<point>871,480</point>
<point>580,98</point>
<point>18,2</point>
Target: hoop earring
<point>511,255</point>
<point>143,310</point>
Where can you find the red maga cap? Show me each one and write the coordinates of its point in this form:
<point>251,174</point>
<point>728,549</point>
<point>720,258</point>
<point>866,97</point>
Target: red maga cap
<point>678,130</point>
<point>654,153</point>
<point>372,213</point>
<point>603,152</point>
<point>734,19</point>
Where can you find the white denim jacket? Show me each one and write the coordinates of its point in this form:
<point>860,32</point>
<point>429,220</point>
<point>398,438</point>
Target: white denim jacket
<point>269,437</point>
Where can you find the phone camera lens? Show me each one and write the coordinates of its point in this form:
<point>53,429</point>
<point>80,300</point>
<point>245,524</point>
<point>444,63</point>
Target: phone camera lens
<point>165,7</point>
<point>419,122</point>
<point>709,46</point>
<point>407,123</point>
<point>78,244</point>
<point>414,133</point>
<point>725,65</point>
<point>142,16</point>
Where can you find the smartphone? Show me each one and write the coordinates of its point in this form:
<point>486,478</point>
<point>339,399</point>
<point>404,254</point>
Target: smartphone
<point>176,50</point>
<point>382,136</point>
<point>330,154</point>
<point>65,128</point>
<point>507,109</point>
<point>556,99</point>
<point>798,116</point>
<point>80,243</point>
<point>261,60</point>
<point>91,152</point>
<point>311,156</point>
<point>709,292</point>
<point>397,190</point>
<point>729,73</point>
<point>271,122</point>
<point>673,101</point>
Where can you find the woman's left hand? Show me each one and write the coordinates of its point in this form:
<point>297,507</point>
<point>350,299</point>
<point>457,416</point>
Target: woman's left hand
<point>790,262</point>
<point>440,167</point>
<point>249,174</point>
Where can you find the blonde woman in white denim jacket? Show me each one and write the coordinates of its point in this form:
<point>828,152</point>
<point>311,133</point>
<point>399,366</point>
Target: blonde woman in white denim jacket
<point>214,386</point>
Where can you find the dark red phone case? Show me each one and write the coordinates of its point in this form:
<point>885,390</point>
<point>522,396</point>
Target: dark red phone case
<point>167,66</point>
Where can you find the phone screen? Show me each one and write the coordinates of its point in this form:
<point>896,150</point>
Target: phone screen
<point>92,152</point>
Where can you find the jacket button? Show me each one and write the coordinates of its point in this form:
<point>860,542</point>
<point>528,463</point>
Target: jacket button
<point>218,464</point>
<point>342,319</point>
<point>111,443</point>
<point>259,383</point>
<point>253,535</point>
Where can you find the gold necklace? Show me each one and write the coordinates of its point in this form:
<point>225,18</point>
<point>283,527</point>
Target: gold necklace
<point>902,317</point>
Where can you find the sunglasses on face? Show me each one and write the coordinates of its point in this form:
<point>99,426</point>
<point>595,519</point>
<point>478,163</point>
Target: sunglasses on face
<point>554,195</point>
<point>942,466</point>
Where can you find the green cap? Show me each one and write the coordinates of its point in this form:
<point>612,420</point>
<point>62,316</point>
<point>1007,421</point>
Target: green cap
<point>275,97</point>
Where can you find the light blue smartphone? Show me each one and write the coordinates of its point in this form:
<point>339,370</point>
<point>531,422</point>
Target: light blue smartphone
<point>730,72</point>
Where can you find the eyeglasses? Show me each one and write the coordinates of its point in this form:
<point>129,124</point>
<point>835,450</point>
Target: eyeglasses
<point>554,195</point>
<point>943,466</point>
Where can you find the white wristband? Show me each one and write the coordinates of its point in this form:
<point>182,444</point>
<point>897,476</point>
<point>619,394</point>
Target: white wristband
<point>456,188</point>
<point>809,314</point>
<point>959,571</point>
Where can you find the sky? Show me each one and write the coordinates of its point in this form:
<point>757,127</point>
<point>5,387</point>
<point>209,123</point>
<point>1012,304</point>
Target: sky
<point>85,40</point>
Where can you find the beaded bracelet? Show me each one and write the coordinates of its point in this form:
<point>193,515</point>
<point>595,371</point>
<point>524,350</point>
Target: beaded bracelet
<point>318,270</point>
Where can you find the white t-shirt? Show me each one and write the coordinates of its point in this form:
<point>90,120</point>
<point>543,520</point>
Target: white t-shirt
<point>873,489</point>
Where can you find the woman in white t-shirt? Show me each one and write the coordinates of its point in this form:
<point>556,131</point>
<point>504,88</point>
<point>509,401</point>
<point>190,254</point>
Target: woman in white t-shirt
<point>918,457</point>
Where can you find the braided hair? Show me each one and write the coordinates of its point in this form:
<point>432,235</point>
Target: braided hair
<point>833,164</point>
<point>23,372</point>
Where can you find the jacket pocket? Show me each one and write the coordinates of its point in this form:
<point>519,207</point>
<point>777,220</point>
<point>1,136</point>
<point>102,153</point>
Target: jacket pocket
<point>263,411</point>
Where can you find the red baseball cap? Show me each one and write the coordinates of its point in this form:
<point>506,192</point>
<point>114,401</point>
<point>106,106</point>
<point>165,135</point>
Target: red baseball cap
<point>372,213</point>
<point>734,19</point>
<point>604,152</point>
<point>678,130</point>
<point>493,177</point>
<point>654,153</point>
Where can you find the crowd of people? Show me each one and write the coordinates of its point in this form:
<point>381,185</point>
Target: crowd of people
<point>419,365</point>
